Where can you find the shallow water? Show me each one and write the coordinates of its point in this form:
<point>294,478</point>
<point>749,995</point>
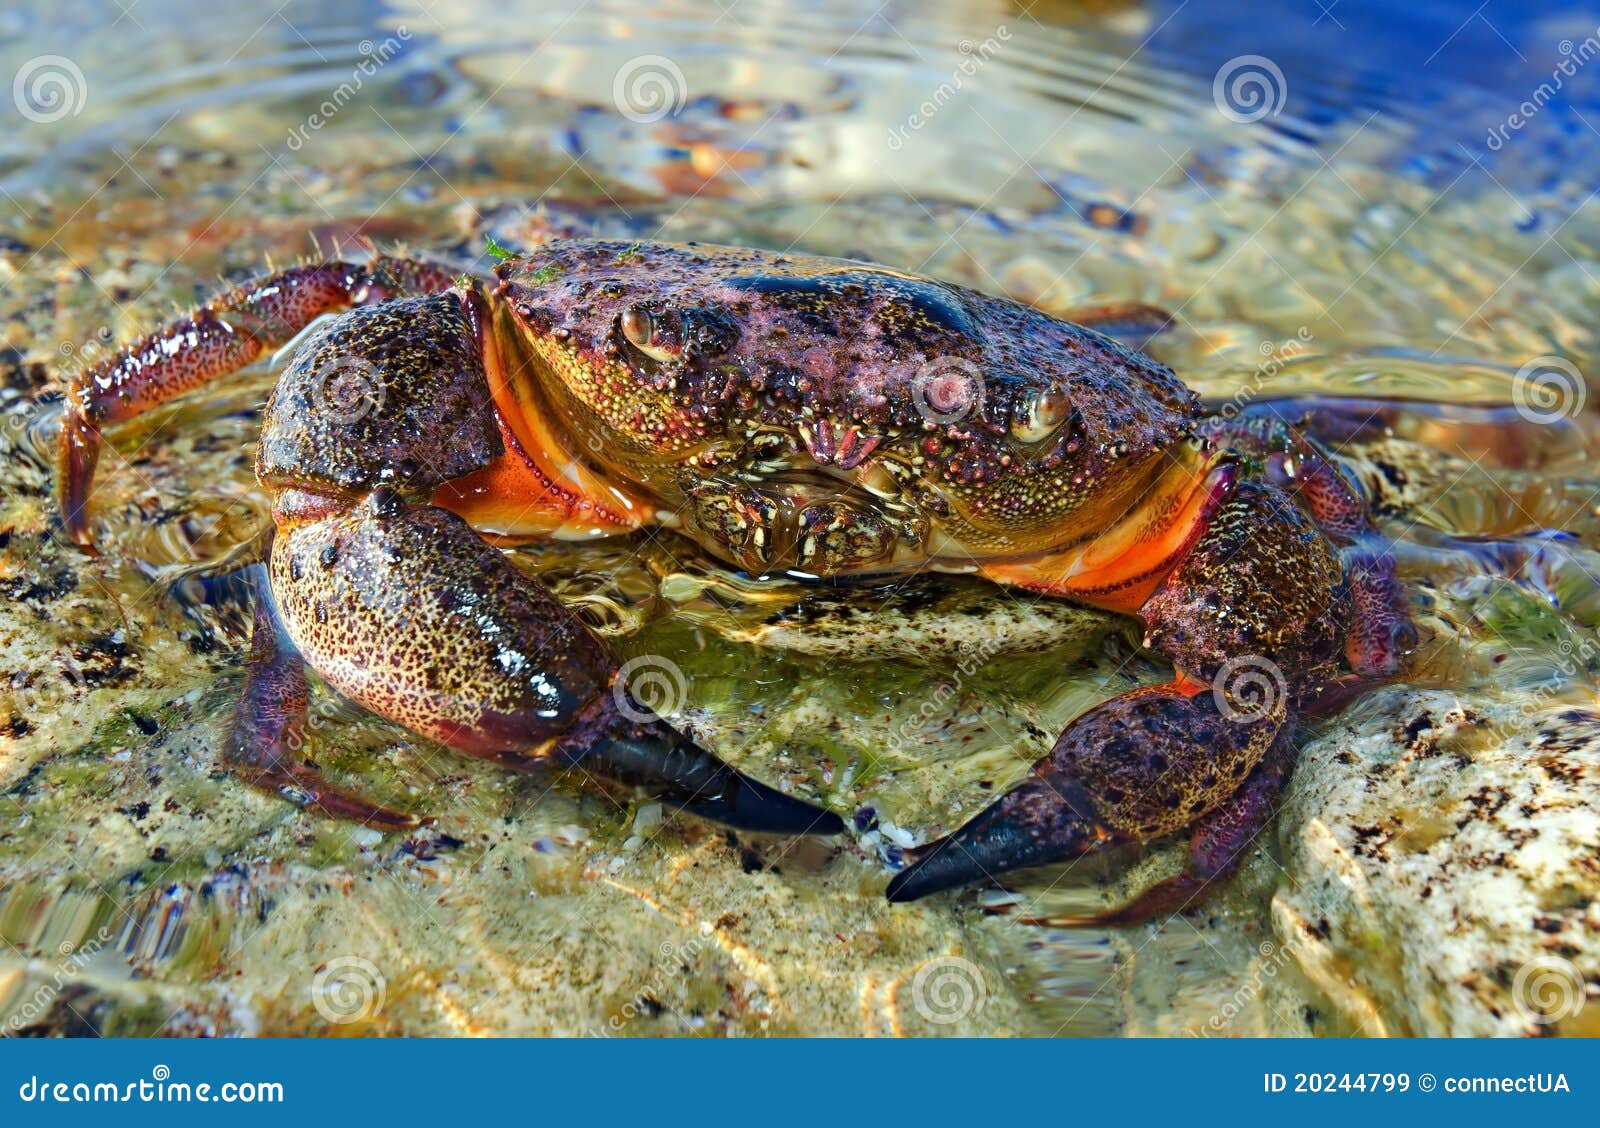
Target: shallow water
<point>1364,223</point>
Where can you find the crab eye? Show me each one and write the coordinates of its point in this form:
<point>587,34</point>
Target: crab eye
<point>643,331</point>
<point>637,325</point>
<point>1039,414</point>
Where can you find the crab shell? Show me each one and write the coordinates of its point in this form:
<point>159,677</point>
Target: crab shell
<point>828,416</point>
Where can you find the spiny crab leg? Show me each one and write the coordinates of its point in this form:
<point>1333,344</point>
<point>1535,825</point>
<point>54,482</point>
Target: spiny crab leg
<point>223,336</point>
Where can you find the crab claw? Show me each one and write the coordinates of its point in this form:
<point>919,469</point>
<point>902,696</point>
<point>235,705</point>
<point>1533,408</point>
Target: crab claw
<point>1049,818</point>
<point>407,611</point>
<point>654,757</point>
<point>1145,764</point>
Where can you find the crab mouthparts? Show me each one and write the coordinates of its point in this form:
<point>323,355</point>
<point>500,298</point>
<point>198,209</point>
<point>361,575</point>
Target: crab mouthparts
<point>834,444</point>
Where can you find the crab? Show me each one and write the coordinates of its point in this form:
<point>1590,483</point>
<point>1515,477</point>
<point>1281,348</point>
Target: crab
<point>793,416</point>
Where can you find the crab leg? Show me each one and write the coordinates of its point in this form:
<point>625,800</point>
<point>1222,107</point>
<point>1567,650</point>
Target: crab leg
<point>1380,631</point>
<point>223,336</point>
<point>405,609</point>
<point>1500,437</point>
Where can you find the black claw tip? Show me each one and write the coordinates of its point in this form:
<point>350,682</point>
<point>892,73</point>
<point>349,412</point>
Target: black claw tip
<point>747,805</point>
<point>693,780</point>
<point>1040,822</point>
<point>950,863</point>
<point>914,883</point>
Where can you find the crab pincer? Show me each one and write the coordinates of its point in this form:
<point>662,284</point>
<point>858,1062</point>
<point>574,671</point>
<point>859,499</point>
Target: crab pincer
<point>1250,616</point>
<point>407,611</point>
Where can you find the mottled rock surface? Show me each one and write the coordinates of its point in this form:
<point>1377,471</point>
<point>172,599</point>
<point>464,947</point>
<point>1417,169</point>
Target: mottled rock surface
<point>1445,856</point>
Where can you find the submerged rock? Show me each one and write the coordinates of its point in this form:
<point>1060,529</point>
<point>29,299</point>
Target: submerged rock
<point>930,619</point>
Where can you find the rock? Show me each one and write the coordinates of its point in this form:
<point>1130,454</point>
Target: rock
<point>930,619</point>
<point>1445,862</point>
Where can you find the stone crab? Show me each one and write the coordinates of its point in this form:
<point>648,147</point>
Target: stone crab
<point>813,418</point>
